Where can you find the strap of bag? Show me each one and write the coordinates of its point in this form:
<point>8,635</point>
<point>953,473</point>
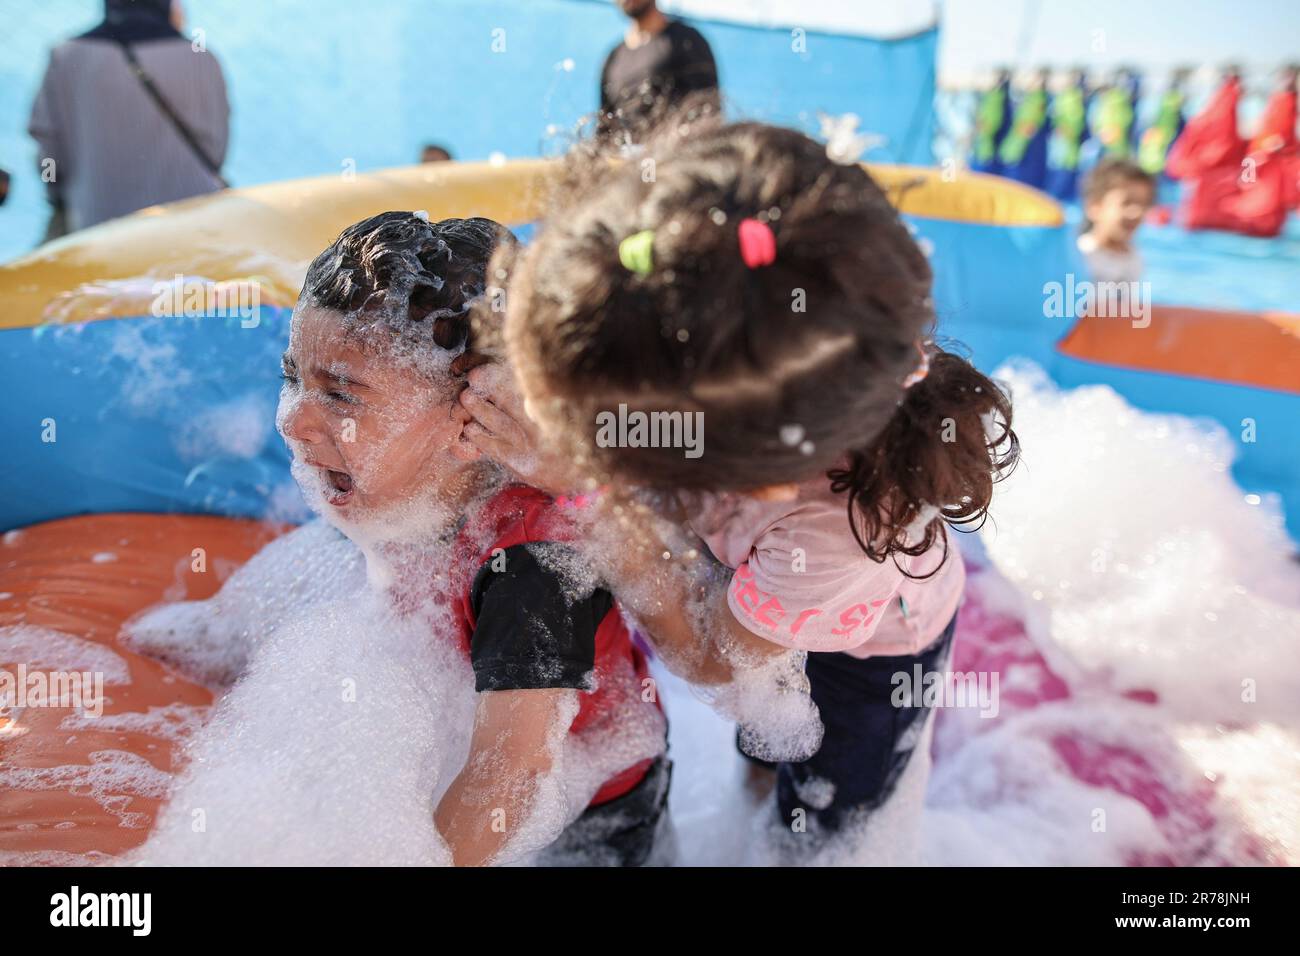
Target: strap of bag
<point>177,123</point>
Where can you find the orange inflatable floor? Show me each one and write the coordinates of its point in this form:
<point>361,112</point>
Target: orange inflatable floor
<point>85,576</point>
<point>1254,349</point>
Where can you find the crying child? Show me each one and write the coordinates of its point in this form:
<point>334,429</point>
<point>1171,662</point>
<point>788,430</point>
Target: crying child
<point>566,757</point>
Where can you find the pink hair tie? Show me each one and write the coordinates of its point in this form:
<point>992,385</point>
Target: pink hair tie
<point>757,243</point>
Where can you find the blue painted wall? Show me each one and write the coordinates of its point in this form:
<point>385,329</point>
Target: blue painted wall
<point>315,84</point>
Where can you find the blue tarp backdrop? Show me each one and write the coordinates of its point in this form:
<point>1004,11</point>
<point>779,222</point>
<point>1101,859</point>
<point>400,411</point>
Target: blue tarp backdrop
<point>318,86</point>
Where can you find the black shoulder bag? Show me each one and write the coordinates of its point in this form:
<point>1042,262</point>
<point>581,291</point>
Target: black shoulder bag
<point>177,123</point>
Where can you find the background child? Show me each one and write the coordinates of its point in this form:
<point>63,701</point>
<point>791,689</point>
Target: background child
<point>369,411</point>
<point>778,294</point>
<point>1116,198</point>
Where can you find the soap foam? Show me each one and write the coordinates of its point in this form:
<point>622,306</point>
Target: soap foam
<point>211,641</point>
<point>41,648</point>
<point>1112,545</point>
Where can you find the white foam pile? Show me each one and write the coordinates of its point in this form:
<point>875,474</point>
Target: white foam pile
<point>350,721</point>
<point>1140,568</point>
<point>43,649</point>
<point>1155,570</point>
<point>328,751</point>
<point>211,641</point>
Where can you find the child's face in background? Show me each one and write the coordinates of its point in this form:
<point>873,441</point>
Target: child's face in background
<point>1119,212</point>
<point>369,431</point>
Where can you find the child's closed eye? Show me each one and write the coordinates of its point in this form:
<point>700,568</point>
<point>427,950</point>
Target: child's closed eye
<point>342,398</point>
<point>333,396</point>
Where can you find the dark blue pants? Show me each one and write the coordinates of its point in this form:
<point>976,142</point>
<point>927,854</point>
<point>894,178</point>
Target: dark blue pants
<point>868,740</point>
<point>631,830</point>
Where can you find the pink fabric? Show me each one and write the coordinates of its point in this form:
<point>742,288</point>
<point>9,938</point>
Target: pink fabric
<point>1035,705</point>
<point>802,581</point>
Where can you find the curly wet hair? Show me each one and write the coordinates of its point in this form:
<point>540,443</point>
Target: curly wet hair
<point>416,277</point>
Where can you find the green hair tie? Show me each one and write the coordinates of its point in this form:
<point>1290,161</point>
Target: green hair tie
<point>635,252</point>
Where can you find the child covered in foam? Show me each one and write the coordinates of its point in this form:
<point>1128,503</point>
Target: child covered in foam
<point>566,751</point>
<point>775,295</point>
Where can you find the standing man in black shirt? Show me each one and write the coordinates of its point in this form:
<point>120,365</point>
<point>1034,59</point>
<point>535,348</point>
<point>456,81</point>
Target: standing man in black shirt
<point>659,63</point>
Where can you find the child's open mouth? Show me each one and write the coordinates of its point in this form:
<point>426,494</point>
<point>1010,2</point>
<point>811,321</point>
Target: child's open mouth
<point>340,483</point>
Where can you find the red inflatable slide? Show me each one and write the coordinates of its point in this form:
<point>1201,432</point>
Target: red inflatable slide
<point>1234,185</point>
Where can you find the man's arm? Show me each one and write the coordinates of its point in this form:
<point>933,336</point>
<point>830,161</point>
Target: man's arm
<point>213,121</point>
<point>508,794</point>
<point>694,68</point>
<point>605,112</point>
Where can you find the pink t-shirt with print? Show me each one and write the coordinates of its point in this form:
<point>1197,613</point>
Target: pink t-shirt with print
<point>802,581</point>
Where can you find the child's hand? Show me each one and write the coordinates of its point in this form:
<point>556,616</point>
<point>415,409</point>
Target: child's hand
<point>502,431</point>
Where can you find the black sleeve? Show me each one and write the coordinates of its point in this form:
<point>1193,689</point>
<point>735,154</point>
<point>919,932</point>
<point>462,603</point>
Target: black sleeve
<point>531,631</point>
<point>695,68</point>
<point>606,101</point>
<point>605,113</point>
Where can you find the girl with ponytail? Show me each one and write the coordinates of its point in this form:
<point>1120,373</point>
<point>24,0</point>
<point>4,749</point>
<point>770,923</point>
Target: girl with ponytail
<point>774,297</point>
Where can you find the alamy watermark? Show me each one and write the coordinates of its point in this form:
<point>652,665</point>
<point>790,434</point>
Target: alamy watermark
<point>82,690</point>
<point>934,688</point>
<point>638,429</point>
<point>196,297</point>
<point>1073,299</point>
<point>129,910</point>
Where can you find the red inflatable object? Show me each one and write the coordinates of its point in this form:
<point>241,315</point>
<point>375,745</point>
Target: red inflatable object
<point>1277,125</point>
<point>1277,140</point>
<point>1250,200</point>
<point>1160,216</point>
<point>1236,187</point>
<point>1210,139</point>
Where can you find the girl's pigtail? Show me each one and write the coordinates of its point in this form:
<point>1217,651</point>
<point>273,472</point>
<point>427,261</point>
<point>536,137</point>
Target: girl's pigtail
<point>947,444</point>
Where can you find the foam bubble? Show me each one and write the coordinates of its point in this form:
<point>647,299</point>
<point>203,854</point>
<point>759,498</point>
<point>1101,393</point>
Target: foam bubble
<point>378,711</point>
<point>379,699</point>
<point>211,641</point>
<point>237,428</point>
<point>112,779</point>
<point>41,648</point>
<point>1154,572</point>
<point>1181,770</point>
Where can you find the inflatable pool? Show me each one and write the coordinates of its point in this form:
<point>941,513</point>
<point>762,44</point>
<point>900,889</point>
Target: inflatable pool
<point>143,358</point>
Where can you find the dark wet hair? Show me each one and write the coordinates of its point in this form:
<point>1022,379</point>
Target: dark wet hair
<point>419,278</point>
<point>798,367</point>
<point>1111,172</point>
